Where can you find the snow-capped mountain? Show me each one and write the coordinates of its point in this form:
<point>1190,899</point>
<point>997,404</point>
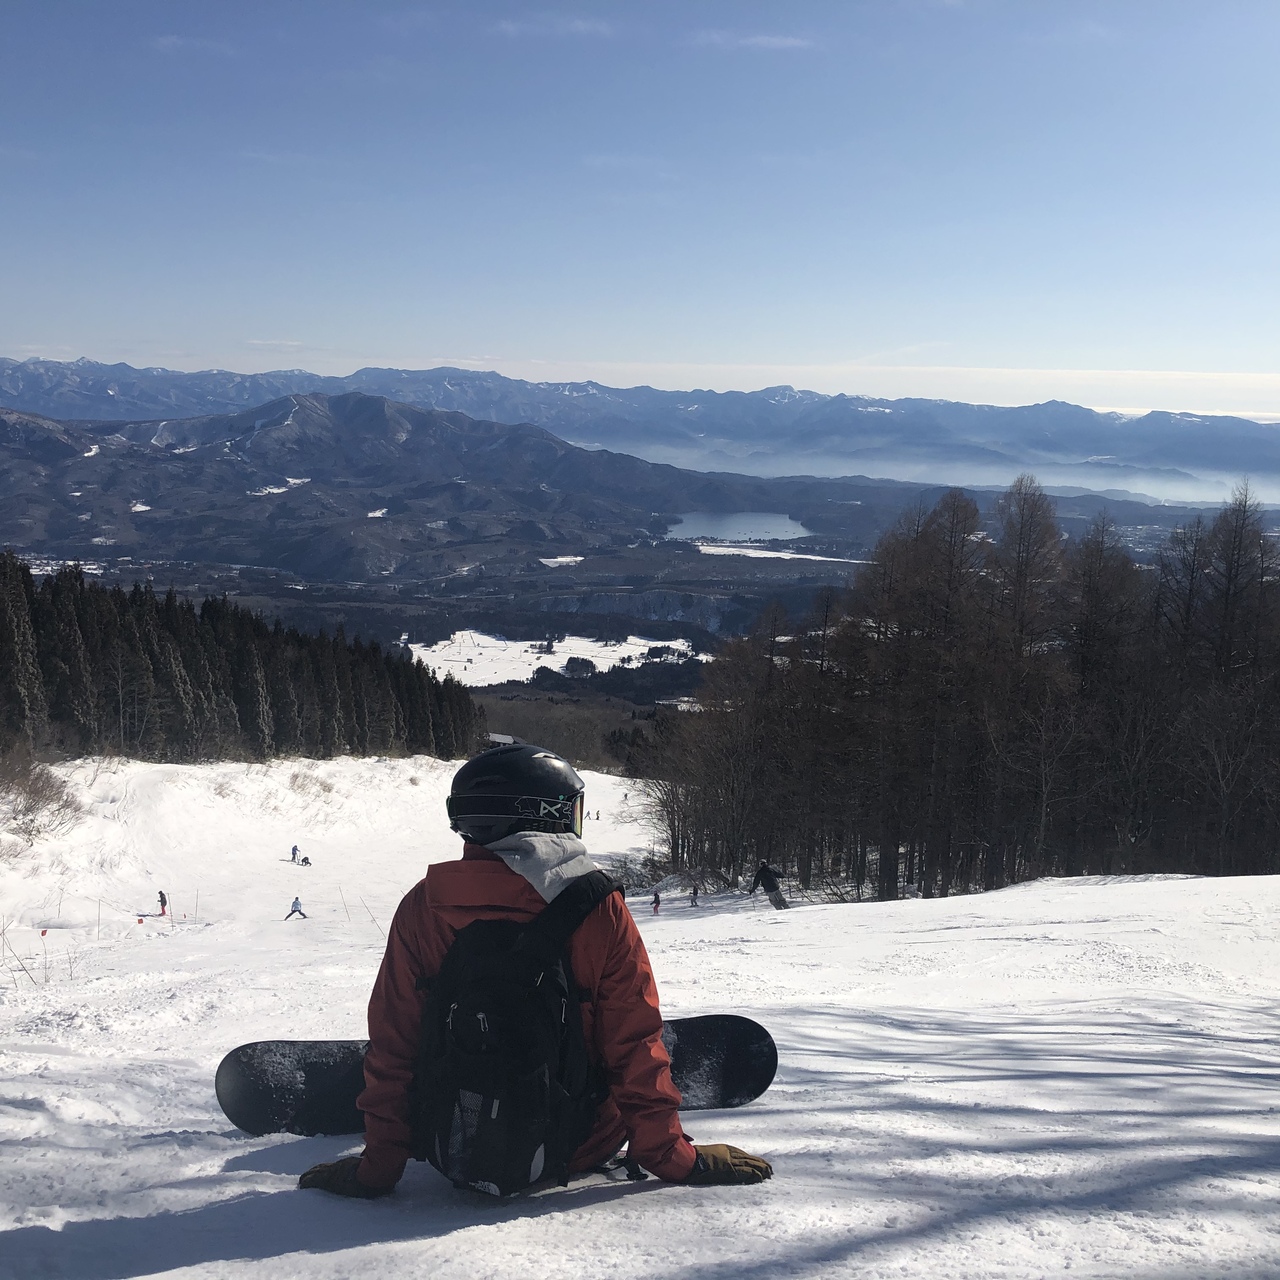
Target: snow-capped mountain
<point>773,431</point>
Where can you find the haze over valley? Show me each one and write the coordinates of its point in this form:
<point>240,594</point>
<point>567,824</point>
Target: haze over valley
<point>396,518</point>
<point>1168,456</point>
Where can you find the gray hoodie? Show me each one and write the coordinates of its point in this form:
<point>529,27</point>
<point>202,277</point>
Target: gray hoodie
<point>548,862</point>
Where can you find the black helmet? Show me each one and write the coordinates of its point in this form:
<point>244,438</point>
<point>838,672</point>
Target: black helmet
<point>515,788</point>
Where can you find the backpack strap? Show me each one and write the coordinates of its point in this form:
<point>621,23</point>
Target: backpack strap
<point>544,940</point>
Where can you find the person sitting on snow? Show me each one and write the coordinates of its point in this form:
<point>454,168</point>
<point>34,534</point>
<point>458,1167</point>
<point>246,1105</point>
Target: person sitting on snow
<point>519,810</point>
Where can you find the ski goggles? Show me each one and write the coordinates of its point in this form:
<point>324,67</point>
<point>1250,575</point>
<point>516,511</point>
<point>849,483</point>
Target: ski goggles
<point>563,814</point>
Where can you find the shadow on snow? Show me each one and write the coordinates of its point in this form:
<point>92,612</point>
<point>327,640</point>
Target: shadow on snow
<point>1090,1111</point>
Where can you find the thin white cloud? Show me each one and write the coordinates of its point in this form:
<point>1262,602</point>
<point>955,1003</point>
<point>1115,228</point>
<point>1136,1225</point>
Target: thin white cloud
<point>263,156</point>
<point>629,166</point>
<point>406,21</point>
<point>553,24</point>
<point>737,40</point>
<point>389,70</point>
<point>190,44</point>
<point>46,351</point>
<point>587,27</point>
<point>1082,32</point>
<point>275,344</point>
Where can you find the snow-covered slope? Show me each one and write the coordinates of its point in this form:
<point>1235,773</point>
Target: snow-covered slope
<point>1065,1078</point>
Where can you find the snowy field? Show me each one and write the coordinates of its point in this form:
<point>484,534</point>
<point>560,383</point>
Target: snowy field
<point>1069,1078</point>
<point>478,659</point>
<point>760,553</point>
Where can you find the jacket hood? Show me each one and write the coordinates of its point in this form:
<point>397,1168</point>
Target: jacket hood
<point>548,861</point>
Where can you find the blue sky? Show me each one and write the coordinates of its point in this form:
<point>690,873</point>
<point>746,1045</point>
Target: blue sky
<point>995,200</point>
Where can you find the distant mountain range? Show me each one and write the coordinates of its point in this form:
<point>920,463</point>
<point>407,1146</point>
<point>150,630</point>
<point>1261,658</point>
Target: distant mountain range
<point>359,487</point>
<point>772,432</point>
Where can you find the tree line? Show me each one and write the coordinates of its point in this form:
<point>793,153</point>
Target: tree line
<point>988,705</point>
<point>87,669</point>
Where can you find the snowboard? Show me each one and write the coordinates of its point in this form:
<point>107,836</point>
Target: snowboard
<point>310,1087</point>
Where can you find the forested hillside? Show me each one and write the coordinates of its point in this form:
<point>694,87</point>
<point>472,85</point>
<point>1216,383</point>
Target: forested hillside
<point>86,669</point>
<point>982,709</point>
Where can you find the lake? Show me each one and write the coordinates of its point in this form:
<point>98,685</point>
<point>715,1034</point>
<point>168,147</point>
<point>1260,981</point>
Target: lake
<point>737,526</point>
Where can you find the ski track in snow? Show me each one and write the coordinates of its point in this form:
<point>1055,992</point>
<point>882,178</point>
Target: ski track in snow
<point>1064,1078</point>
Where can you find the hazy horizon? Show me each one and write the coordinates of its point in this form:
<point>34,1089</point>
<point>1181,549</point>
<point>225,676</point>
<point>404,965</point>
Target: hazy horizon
<point>911,376</point>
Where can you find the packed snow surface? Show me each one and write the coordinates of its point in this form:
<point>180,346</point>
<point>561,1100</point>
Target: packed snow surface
<point>1072,1077</point>
<point>478,659</point>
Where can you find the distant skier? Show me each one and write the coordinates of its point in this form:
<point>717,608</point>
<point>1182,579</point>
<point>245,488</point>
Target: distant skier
<point>306,862</point>
<point>657,902</point>
<point>296,909</point>
<point>164,903</point>
<point>693,897</point>
<point>767,879</point>
<point>293,857</point>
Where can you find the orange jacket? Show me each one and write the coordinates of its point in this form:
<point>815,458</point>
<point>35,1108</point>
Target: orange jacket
<point>621,1022</point>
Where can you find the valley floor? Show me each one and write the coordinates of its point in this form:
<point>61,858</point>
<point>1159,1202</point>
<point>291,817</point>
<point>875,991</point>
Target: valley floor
<point>1072,1077</point>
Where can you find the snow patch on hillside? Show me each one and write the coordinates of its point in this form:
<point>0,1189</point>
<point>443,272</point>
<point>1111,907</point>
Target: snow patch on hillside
<point>760,553</point>
<point>478,659</point>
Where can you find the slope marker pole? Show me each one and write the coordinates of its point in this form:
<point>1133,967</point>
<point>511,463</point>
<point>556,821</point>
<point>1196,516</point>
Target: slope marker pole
<point>18,958</point>
<point>372,917</point>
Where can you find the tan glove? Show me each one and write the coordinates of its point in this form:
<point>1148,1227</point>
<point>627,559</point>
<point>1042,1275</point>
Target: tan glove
<point>340,1178</point>
<point>720,1165</point>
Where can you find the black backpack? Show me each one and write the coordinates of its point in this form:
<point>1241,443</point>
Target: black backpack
<point>504,1092</point>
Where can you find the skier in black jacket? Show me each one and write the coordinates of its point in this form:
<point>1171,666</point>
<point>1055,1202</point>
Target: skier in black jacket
<point>767,879</point>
